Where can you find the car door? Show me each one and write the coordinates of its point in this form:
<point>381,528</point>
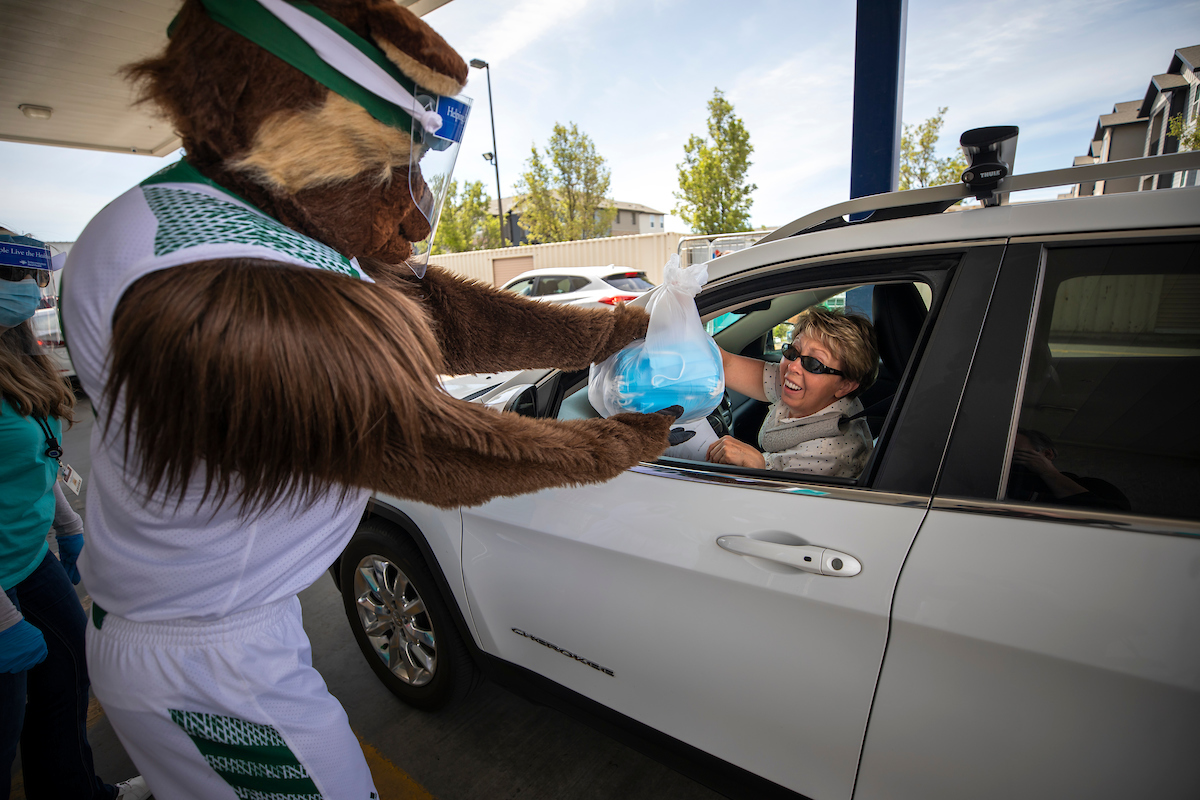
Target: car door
<point>660,595</point>
<point>1046,627</point>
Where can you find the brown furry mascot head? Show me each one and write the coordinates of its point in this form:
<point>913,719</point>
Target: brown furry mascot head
<point>272,380</point>
<point>318,162</point>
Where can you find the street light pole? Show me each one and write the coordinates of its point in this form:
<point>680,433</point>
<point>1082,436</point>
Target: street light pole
<point>479,63</point>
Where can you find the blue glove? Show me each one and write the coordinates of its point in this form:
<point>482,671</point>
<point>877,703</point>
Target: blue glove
<point>69,548</point>
<point>21,647</point>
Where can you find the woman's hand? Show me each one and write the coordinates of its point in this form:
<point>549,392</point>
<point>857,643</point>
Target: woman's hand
<point>1040,464</point>
<point>1036,463</point>
<point>69,548</point>
<point>728,450</point>
<point>22,646</point>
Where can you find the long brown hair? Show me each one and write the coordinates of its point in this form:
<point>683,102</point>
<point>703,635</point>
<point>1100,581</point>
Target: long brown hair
<point>272,382</point>
<point>28,378</point>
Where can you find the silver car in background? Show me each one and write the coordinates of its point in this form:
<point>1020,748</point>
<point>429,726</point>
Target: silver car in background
<point>587,287</point>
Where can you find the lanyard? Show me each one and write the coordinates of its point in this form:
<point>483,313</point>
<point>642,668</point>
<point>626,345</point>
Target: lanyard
<point>53,448</point>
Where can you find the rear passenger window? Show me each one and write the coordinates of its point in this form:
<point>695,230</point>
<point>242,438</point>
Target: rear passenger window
<point>553,285</point>
<point>1112,384</point>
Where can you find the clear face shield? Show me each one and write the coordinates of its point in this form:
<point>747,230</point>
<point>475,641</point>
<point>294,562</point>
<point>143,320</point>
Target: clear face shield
<point>25,266</point>
<point>431,164</point>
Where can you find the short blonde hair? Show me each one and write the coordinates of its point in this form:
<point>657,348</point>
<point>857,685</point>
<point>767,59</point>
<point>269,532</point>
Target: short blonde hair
<point>850,338</point>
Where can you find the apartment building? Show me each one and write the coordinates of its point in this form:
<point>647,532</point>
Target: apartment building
<point>1137,128</point>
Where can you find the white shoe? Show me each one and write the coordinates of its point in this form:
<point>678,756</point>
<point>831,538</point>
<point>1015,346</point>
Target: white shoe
<point>133,789</point>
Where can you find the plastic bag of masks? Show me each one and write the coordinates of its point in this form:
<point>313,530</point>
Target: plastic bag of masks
<point>676,364</point>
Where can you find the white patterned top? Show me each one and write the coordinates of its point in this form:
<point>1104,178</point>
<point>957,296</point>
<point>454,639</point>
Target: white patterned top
<point>147,559</point>
<point>844,455</point>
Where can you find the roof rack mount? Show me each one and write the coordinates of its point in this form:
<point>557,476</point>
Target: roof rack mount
<point>945,196</point>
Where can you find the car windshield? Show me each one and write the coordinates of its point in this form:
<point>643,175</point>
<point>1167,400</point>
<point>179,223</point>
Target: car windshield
<point>629,282</point>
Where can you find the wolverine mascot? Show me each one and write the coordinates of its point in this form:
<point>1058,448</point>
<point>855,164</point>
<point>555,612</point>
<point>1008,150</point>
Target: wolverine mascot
<point>262,343</point>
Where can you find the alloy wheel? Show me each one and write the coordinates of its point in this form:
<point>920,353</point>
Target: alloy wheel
<point>393,616</point>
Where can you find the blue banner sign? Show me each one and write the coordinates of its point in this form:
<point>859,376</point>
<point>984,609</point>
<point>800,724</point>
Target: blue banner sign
<point>13,254</point>
<point>454,115</point>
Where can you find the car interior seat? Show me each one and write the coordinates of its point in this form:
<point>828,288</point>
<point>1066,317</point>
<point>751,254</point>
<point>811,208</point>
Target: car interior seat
<point>899,314</point>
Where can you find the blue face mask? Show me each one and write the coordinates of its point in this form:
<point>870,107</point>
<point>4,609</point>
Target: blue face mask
<point>18,301</point>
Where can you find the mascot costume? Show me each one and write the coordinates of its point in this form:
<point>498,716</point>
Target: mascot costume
<point>263,343</point>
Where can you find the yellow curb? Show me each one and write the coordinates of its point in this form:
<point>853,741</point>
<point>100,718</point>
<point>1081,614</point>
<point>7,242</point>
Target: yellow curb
<point>391,782</point>
<point>94,713</point>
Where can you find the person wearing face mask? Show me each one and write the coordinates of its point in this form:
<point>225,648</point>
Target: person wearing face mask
<point>813,392</point>
<point>43,677</point>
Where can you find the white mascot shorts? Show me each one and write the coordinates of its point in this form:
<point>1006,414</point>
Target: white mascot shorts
<point>226,710</point>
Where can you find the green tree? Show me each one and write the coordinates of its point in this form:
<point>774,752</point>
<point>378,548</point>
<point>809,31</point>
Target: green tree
<point>1188,135</point>
<point>467,222</point>
<point>564,191</point>
<point>919,164</point>
<point>713,194</point>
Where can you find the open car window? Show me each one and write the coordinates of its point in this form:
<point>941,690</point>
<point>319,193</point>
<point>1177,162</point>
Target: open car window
<point>763,329</point>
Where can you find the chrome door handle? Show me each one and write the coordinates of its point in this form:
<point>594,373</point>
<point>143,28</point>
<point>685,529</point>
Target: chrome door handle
<point>818,560</point>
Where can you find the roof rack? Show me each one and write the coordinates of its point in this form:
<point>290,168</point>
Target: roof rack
<point>936,199</point>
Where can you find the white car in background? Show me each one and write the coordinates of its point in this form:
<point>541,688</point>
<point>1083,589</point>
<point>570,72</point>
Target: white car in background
<point>587,287</point>
<point>48,332</point>
<point>940,626</point>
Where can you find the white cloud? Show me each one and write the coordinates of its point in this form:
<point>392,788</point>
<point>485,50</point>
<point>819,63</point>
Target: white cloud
<point>500,31</point>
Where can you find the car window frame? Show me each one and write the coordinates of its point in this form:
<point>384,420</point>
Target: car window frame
<point>978,455</point>
<point>961,267</point>
<point>512,287</point>
<point>855,271</point>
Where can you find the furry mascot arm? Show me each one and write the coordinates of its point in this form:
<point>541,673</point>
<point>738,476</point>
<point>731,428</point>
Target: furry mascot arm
<point>274,381</point>
<point>481,329</point>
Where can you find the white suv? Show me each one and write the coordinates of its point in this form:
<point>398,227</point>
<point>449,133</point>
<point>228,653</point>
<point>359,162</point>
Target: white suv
<point>998,641</point>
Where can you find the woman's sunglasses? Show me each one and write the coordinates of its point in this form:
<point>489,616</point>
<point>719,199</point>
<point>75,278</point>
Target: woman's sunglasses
<point>21,273</point>
<point>809,363</point>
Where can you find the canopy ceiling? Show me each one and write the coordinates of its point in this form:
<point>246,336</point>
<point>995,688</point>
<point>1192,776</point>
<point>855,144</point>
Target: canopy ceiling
<point>64,55</point>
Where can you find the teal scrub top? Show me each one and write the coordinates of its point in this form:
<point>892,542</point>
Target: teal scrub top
<point>27,477</point>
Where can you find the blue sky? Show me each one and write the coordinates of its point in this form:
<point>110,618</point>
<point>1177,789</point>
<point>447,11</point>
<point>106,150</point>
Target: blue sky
<point>635,75</point>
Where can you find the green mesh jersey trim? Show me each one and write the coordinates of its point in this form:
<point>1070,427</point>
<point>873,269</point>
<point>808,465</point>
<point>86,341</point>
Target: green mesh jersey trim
<point>190,219</point>
<point>252,758</point>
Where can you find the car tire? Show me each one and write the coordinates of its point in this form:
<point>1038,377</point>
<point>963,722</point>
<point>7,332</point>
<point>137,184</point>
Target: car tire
<point>400,620</point>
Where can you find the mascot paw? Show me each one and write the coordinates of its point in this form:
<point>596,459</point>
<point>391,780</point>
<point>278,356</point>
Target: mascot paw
<point>654,430</point>
<point>679,436</point>
<point>674,412</point>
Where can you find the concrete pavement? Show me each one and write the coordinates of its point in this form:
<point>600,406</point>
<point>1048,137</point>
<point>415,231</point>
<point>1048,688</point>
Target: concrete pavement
<point>494,745</point>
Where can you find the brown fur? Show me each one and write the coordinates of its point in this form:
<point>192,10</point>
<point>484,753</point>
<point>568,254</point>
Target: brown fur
<point>277,381</point>
<point>418,72</point>
<point>222,92</point>
<point>345,141</point>
<point>282,380</point>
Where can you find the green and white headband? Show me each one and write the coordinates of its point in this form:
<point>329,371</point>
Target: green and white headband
<point>328,52</point>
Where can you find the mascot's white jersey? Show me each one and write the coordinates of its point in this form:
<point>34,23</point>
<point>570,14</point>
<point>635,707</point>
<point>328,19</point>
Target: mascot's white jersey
<point>148,559</point>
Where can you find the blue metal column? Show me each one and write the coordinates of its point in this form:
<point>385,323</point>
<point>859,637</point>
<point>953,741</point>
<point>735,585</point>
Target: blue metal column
<point>878,96</point>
